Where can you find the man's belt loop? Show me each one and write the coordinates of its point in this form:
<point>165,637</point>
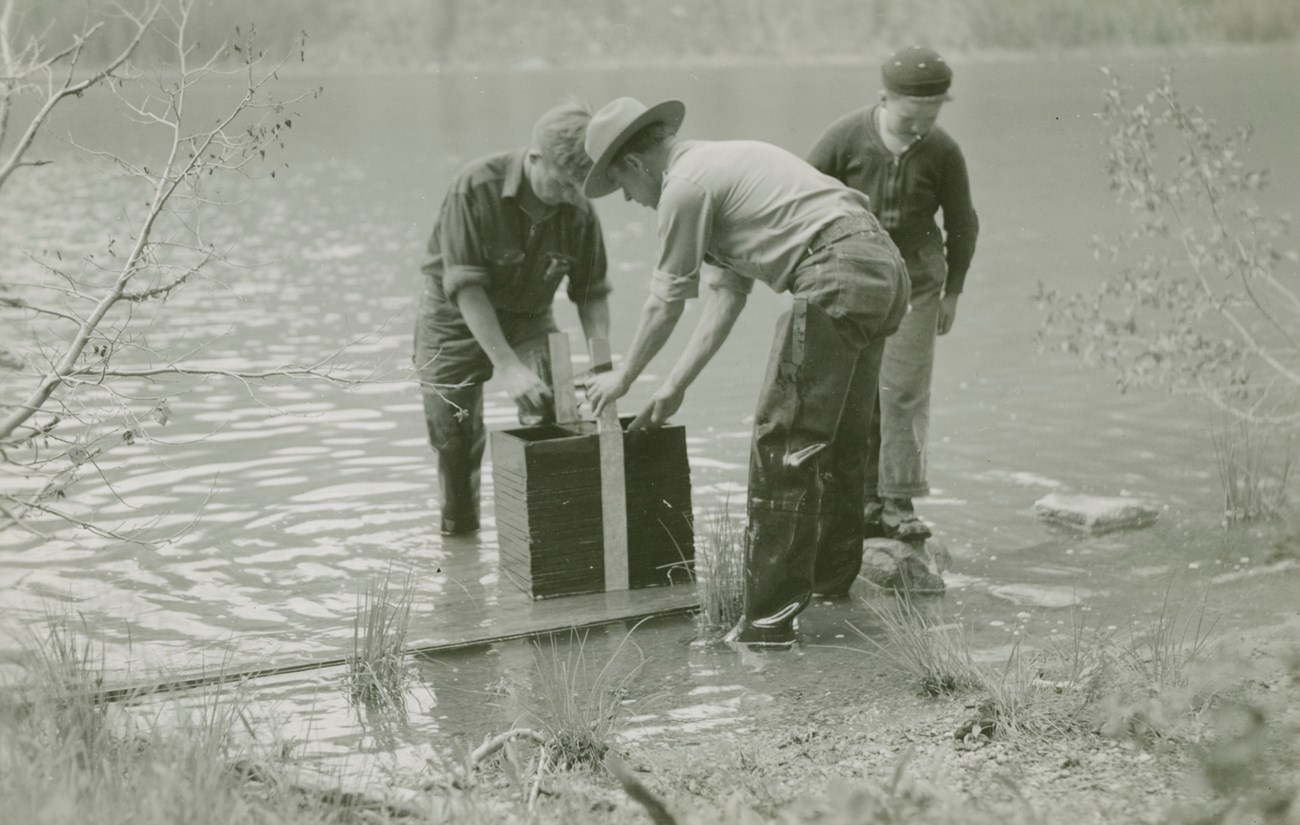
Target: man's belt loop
<point>841,227</point>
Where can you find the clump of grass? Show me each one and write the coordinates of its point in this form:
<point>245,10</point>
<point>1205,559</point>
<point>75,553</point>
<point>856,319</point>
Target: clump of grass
<point>577,704</point>
<point>65,675</point>
<point>936,654</point>
<point>1091,680</point>
<point>377,670</point>
<point>1142,687</point>
<point>67,754</point>
<point>720,573</point>
<point>1048,690</point>
<point>1255,466</point>
<point>1165,653</point>
<point>1021,699</point>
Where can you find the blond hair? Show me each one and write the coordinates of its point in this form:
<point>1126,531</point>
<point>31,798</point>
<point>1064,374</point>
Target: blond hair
<point>559,134</point>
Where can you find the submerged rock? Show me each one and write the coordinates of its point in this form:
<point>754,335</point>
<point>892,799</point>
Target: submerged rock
<point>897,565</point>
<point>1095,514</point>
<point>1030,595</point>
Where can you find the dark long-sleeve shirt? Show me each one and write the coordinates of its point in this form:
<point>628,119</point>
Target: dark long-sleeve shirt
<point>486,236</point>
<point>907,190</point>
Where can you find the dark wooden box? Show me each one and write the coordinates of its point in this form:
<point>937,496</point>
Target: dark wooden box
<point>548,507</point>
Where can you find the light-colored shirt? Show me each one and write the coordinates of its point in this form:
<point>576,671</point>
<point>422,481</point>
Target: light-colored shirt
<point>750,208</point>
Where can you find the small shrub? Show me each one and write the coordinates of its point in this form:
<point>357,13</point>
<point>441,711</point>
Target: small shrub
<point>1205,295</point>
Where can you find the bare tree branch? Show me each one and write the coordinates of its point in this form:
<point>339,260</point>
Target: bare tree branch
<point>69,87</point>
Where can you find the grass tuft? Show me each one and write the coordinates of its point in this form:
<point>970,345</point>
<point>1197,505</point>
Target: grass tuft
<point>936,654</point>
<point>377,670</point>
<point>1164,654</point>
<point>720,573</point>
<point>577,705</point>
<point>1255,467</point>
<point>1139,687</point>
<point>67,755</point>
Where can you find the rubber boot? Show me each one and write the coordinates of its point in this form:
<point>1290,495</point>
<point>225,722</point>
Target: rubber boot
<point>779,556</point>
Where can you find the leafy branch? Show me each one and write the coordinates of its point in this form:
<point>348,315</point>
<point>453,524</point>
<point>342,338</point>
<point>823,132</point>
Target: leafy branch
<point>1206,302</point>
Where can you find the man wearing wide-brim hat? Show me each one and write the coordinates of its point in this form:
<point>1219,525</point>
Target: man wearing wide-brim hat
<point>759,213</point>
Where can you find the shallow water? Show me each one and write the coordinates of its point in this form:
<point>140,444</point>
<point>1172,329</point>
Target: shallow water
<point>304,494</point>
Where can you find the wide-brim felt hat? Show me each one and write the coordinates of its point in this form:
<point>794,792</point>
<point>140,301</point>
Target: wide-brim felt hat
<point>611,127</point>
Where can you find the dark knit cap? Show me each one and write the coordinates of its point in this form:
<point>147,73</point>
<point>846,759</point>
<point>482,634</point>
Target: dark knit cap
<point>916,71</point>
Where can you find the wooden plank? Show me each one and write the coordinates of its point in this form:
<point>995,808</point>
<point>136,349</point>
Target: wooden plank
<point>464,622</point>
<point>566,401</point>
<point>557,615</point>
<point>613,486</point>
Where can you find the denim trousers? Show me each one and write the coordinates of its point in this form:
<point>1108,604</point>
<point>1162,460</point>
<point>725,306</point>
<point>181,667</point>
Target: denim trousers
<point>896,453</point>
<point>452,374</point>
<point>811,425</point>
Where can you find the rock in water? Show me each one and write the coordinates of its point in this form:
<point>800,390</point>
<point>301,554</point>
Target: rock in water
<point>1095,514</point>
<point>897,565</point>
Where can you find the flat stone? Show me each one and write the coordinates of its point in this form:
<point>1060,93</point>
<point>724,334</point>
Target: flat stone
<point>1095,514</point>
<point>1030,595</point>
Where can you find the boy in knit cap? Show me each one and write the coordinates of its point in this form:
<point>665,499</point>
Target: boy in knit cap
<point>911,169</point>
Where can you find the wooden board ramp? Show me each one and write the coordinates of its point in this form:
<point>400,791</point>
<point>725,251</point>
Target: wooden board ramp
<point>472,607</point>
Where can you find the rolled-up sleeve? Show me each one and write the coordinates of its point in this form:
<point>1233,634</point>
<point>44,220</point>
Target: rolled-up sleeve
<point>461,243</point>
<point>685,217</point>
<point>590,281</point>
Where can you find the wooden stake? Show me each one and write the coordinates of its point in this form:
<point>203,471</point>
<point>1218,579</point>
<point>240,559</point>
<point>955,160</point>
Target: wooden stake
<point>566,402</point>
<point>613,484</point>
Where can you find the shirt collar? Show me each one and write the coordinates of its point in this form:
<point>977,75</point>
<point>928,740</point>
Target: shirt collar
<point>514,175</point>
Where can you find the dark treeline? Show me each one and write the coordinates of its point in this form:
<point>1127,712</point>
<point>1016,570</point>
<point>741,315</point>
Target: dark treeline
<point>514,32</point>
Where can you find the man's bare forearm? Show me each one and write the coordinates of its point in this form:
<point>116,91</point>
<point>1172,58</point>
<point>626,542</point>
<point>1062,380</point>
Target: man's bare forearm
<point>481,318</point>
<point>658,319</point>
<point>719,316</point>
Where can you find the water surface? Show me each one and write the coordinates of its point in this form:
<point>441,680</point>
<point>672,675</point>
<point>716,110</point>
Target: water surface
<point>304,493</point>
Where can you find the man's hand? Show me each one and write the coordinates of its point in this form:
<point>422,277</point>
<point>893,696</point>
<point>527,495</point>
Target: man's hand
<point>606,388</point>
<point>947,313</point>
<point>661,407</point>
<point>525,387</point>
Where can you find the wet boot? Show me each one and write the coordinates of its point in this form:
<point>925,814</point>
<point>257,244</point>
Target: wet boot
<point>839,541</point>
<point>779,557</point>
<point>901,522</point>
<point>873,519</point>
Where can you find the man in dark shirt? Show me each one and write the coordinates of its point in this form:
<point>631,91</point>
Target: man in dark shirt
<point>910,169</point>
<point>512,226</point>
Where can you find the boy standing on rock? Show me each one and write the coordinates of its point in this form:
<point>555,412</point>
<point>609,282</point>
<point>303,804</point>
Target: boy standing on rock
<point>911,169</point>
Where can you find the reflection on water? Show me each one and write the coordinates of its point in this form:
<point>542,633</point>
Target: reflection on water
<point>285,504</point>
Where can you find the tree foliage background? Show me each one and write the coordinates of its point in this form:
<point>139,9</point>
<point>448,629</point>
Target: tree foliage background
<point>511,32</point>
